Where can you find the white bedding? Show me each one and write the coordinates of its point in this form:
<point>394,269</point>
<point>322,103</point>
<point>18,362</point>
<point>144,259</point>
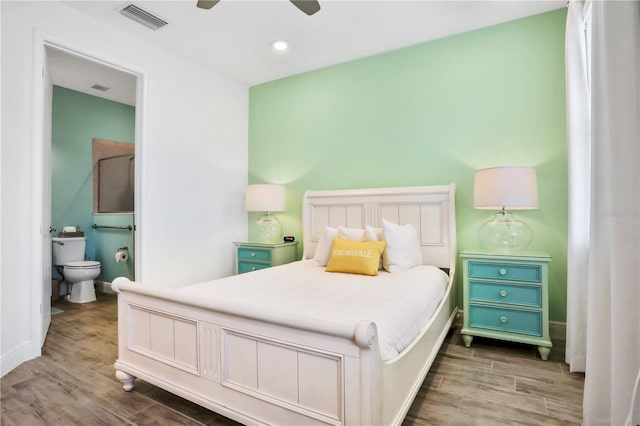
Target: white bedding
<point>400,304</point>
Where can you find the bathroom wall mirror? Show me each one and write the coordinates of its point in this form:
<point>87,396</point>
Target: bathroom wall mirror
<point>113,176</point>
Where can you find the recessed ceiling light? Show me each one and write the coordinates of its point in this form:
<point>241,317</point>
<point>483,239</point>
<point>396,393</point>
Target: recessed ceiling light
<point>280,45</point>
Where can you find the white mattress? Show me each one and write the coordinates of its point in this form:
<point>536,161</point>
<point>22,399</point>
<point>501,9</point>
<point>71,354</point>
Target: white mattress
<point>400,304</point>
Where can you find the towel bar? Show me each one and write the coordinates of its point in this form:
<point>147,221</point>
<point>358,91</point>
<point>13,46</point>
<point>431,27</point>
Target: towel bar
<point>128,227</point>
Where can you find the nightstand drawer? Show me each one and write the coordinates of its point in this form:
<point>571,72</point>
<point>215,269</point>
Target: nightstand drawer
<point>504,319</point>
<point>250,266</point>
<point>254,254</point>
<point>505,293</point>
<point>505,271</point>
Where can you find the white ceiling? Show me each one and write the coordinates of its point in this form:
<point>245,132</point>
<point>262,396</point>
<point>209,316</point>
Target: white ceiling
<point>80,74</point>
<point>234,37</point>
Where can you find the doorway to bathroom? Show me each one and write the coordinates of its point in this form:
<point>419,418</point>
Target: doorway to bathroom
<point>92,163</point>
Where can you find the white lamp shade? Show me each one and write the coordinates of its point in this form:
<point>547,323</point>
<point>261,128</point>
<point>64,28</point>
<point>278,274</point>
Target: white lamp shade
<point>509,188</point>
<point>265,198</point>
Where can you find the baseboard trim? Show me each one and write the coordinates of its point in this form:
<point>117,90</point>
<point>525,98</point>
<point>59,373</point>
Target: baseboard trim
<point>16,357</point>
<point>558,330</point>
<point>104,287</point>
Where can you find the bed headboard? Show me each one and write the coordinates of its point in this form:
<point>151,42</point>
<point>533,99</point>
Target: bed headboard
<point>430,209</point>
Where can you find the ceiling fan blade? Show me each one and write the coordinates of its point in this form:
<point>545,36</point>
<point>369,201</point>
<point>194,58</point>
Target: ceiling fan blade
<point>307,6</point>
<point>203,4</point>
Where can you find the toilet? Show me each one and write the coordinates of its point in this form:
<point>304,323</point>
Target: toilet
<point>78,273</point>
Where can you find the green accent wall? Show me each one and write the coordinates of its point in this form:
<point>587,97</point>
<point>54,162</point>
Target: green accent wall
<point>77,118</point>
<point>429,114</point>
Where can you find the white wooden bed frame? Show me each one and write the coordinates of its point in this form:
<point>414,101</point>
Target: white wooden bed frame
<point>258,367</point>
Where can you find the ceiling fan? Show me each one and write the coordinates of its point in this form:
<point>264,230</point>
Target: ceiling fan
<point>307,6</point>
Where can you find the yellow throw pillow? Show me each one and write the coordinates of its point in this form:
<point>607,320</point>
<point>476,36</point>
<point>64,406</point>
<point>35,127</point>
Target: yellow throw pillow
<point>355,257</point>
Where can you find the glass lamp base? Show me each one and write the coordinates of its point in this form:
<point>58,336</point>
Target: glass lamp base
<point>505,233</point>
<point>268,229</point>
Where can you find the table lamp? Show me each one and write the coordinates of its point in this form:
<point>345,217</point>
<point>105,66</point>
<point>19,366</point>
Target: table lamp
<point>266,198</point>
<point>504,189</point>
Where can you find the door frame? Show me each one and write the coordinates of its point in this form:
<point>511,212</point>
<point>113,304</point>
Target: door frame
<point>41,42</point>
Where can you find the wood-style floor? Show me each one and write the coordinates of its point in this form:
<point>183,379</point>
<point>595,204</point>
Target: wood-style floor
<point>73,383</point>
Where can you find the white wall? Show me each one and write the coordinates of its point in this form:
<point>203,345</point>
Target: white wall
<point>193,162</point>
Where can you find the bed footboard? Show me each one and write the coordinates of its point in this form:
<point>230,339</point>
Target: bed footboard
<point>248,370</point>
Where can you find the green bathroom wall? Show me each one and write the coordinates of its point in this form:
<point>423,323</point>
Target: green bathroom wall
<point>77,118</point>
<point>425,115</point>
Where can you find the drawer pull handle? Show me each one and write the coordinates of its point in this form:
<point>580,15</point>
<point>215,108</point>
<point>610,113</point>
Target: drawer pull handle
<point>503,320</point>
<point>503,271</point>
<point>253,254</point>
<point>503,293</point>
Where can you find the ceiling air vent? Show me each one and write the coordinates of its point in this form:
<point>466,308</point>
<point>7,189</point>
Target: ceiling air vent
<point>98,86</point>
<point>143,17</point>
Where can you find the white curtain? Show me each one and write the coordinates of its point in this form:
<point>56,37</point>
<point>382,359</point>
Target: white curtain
<point>579,154</point>
<point>611,283</point>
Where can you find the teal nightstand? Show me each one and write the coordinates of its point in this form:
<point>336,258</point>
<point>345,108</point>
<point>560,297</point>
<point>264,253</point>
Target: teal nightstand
<point>254,256</point>
<point>506,297</point>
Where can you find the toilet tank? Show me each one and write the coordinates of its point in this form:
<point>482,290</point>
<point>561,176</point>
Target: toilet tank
<point>67,250</point>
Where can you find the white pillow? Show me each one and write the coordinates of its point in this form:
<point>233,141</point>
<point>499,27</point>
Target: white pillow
<point>323,249</point>
<point>403,247</point>
<point>352,234</point>
<point>373,234</point>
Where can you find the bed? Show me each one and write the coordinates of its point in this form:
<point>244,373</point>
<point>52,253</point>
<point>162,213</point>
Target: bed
<point>257,363</point>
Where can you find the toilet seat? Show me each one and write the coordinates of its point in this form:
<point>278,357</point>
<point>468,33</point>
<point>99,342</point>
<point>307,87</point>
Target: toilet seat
<point>83,264</point>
